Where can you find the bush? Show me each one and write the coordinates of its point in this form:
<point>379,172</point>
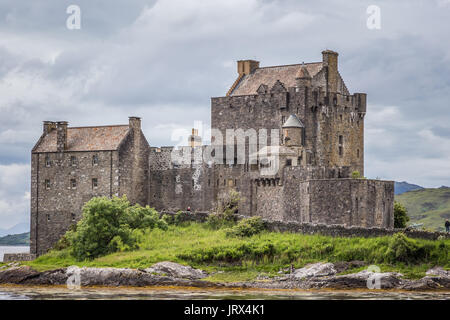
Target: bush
<point>246,227</point>
<point>400,215</point>
<point>225,213</point>
<point>403,249</point>
<point>110,225</point>
<point>356,175</point>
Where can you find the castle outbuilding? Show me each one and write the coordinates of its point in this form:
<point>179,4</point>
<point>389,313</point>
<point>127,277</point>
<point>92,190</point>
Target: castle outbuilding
<point>303,174</point>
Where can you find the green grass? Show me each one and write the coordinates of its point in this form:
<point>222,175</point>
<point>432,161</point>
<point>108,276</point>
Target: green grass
<point>240,259</point>
<point>428,206</point>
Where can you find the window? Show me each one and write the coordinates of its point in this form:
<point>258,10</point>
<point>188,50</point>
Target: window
<point>73,183</point>
<point>341,139</point>
<point>357,153</point>
<point>340,117</point>
<point>283,120</point>
<point>341,142</point>
<point>47,184</point>
<point>209,182</point>
<point>73,217</point>
<point>47,161</point>
<point>289,162</point>
<point>340,151</point>
<point>224,182</point>
<point>94,183</point>
<point>48,217</point>
<point>95,160</point>
<point>73,161</point>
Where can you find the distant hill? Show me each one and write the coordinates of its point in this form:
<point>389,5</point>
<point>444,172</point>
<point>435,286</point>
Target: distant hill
<point>18,228</point>
<point>428,206</point>
<point>22,239</point>
<point>402,187</point>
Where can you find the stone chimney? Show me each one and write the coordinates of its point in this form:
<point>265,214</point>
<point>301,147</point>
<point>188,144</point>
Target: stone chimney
<point>194,139</point>
<point>48,126</point>
<point>330,62</point>
<point>134,122</point>
<point>61,136</point>
<point>247,66</point>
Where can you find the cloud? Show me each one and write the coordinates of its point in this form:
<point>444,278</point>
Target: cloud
<point>14,194</point>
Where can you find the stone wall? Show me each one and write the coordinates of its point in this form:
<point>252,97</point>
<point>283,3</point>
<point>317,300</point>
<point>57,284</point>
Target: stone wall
<point>9,257</point>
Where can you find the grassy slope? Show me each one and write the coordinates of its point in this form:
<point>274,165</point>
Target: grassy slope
<point>22,239</point>
<point>241,259</point>
<point>428,206</point>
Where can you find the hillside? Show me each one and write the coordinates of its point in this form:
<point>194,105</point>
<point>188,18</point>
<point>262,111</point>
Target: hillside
<point>22,239</point>
<point>402,187</point>
<point>428,206</point>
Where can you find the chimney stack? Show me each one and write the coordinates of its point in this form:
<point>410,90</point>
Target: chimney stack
<point>330,61</point>
<point>247,66</point>
<point>134,122</point>
<point>194,139</point>
<point>61,136</point>
<point>48,126</point>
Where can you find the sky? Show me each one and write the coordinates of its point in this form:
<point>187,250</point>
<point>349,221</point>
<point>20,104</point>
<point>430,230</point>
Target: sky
<point>163,60</point>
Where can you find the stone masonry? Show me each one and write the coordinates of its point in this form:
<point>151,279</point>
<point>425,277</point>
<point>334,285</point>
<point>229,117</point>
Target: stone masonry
<point>319,147</point>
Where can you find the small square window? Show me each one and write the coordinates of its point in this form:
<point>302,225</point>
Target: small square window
<point>289,162</point>
<point>73,183</point>
<point>73,161</point>
<point>94,183</point>
<point>95,160</point>
<point>47,184</point>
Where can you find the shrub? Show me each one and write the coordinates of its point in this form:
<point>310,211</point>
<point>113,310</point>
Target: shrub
<point>110,225</point>
<point>225,213</point>
<point>246,227</point>
<point>356,175</point>
<point>400,215</point>
<point>403,249</point>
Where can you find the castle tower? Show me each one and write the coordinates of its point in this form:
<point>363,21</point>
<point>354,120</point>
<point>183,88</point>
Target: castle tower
<point>293,132</point>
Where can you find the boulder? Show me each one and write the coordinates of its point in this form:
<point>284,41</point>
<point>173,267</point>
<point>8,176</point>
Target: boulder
<point>17,275</point>
<point>438,271</point>
<point>319,269</point>
<point>176,270</point>
<point>361,280</point>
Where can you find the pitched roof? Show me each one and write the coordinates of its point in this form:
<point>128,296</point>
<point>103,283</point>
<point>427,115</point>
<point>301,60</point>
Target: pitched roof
<point>86,139</point>
<point>269,75</point>
<point>293,122</point>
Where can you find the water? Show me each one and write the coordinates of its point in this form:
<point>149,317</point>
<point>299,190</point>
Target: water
<point>13,249</point>
<point>161,293</point>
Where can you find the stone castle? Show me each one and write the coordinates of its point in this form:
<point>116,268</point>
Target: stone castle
<point>318,155</point>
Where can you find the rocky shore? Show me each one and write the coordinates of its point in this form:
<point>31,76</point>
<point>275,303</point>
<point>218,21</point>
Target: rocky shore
<point>313,276</point>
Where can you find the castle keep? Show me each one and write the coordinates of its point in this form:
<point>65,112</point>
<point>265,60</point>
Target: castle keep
<point>320,146</point>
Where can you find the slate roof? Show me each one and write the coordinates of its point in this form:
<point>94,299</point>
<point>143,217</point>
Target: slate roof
<point>99,138</point>
<point>269,75</point>
<point>293,122</point>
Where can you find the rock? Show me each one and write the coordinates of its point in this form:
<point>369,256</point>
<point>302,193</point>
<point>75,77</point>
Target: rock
<point>176,270</point>
<point>361,280</point>
<point>438,271</point>
<point>17,275</point>
<point>346,265</point>
<point>426,283</point>
<point>319,269</point>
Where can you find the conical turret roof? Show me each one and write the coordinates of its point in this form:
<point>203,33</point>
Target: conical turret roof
<point>293,122</point>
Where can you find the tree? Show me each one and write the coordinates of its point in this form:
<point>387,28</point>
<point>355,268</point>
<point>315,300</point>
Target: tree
<point>400,215</point>
<point>110,225</point>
